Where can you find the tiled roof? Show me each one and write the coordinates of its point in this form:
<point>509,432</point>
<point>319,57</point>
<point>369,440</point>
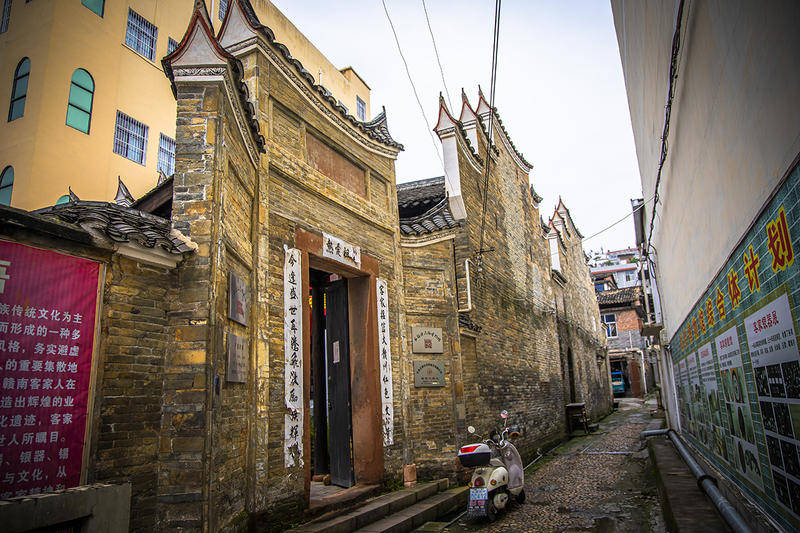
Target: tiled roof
<point>120,224</point>
<point>375,129</point>
<point>424,207</point>
<point>416,197</point>
<point>628,295</point>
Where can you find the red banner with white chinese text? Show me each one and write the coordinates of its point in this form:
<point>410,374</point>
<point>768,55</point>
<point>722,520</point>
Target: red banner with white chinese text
<point>47,316</point>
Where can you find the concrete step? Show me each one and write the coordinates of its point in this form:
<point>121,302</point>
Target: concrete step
<point>375,509</point>
<point>418,514</point>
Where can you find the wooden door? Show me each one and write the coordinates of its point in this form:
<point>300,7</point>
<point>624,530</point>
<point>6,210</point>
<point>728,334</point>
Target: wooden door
<point>338,365</point>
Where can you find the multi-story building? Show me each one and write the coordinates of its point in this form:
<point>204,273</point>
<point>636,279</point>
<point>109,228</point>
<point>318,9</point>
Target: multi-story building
<point>713,95</point>
<point>88,103</point>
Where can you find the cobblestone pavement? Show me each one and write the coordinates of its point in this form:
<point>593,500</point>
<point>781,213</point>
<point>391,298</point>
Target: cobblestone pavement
<point>602,482</point>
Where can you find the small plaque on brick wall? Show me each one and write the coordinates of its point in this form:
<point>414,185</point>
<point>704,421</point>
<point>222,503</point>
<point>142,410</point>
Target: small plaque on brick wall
<point>428,374</point>
<point>426,340</point>
<point>238,299</point>
<point>237,358</point>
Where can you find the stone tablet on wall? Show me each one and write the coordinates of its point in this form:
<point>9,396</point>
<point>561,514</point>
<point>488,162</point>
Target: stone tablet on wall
<point>428,374</point>
<point>238,299</point>
<point>426,340</point>
<point>237,359</point>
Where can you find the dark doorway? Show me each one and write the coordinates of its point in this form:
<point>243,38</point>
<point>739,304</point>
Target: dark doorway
<point>330,369</point>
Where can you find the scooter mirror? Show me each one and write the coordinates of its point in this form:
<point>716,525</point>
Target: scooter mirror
<point>470,429</point>
<point>503,414</point>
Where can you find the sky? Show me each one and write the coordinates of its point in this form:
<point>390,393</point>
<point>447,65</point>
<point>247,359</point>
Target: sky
<point>559,91</point>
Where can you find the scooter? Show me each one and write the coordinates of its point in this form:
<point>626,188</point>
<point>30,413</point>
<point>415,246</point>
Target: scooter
<point>498,474</point>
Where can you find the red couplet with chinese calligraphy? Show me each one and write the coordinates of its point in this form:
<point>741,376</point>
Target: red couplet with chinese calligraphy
<point>47,316</point>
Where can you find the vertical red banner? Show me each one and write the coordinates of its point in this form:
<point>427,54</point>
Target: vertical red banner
<point>47,317</point>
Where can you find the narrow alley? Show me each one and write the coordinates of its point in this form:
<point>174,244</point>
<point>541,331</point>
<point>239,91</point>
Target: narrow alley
<point>601,482</point>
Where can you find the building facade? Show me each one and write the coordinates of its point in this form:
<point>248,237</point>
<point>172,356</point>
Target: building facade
<point>719,171</point>
<point>85,77</point>
<point>522,328</point>
<point>268,314</point>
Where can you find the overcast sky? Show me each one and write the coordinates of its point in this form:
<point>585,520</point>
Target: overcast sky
<point>560,90</point>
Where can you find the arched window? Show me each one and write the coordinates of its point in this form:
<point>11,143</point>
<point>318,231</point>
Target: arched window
<point>6,185</point>
<point>19,90</point>
<point>81,95</point>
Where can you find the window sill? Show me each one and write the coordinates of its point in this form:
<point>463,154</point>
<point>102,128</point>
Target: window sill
<point>140,56</point>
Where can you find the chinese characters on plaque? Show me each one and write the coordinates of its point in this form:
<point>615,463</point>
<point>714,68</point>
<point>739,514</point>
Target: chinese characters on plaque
<point>237,358</point>
<point>238,299</point>
<point>341,251</point>
<point>293,351</point>
<point>385,352</point>
<point>47,316</point>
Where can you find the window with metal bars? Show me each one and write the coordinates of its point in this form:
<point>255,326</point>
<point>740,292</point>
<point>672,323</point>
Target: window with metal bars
<point>166,155</point>
<point>19,89</point>
<point>141,35</point>
<point>172,44</point>
<point>6,16</point>
<point>223,7</point>
<point>130,138</point>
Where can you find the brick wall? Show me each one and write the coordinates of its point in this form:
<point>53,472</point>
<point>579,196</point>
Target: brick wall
<point>134,338</point>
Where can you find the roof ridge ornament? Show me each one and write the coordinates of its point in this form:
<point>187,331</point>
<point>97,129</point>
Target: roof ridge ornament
<point>124,196</point>
<point>209,62</point>
<point>72,196</point>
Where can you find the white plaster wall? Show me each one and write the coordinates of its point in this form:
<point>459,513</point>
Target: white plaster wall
<point>734,133</point>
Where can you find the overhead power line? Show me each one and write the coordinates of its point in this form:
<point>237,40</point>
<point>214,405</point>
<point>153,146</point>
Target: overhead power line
<point>495,43</point>
<point>436,51</point>
<point>413,87</point>
<point>641,206</point>
<point>673,75</point>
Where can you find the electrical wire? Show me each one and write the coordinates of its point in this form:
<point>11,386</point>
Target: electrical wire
<point>620,220</point>
<point>490,133</point>
<point>413,87</point>
<point>673,75</point>
<point>436,51</point>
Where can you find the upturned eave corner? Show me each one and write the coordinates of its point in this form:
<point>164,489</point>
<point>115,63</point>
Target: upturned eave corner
<point>199,58</point>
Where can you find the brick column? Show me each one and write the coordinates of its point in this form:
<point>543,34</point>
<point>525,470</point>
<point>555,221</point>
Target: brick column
<point>187,380</point>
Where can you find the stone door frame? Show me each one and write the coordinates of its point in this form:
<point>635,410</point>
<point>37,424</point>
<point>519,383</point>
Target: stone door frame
<point>364,361</point>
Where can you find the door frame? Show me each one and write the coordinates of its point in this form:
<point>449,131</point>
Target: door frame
<point>364,365</point>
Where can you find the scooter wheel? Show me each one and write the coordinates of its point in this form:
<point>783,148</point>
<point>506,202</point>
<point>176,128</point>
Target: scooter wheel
<point>491,510</point>
<point>521,497</point>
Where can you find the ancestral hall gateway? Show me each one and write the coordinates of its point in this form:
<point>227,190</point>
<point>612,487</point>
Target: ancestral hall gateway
<point>263,313</point>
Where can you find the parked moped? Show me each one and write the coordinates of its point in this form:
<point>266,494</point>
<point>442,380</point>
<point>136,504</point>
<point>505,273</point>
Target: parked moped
<point>498,474</point>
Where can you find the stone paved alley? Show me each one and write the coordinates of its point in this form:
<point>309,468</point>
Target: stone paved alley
<point>581,486</point>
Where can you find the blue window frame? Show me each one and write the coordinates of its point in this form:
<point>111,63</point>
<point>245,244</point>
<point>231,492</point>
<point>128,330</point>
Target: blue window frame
<point>81,96</point>
<point>6,185</point>
<point>19,90</point>
<point>98,6</point>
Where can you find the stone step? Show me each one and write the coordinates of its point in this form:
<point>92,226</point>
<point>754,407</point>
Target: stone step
<point>418,514</point>
<point>375,509</point>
